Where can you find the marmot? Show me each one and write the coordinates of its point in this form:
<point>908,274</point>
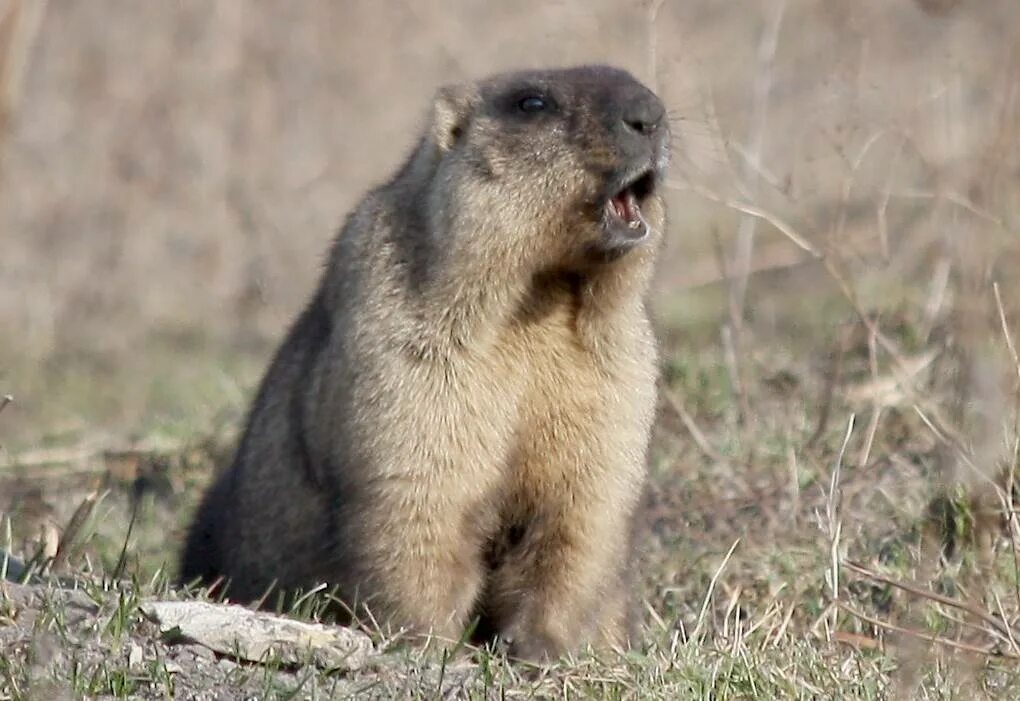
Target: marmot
<point>455,428</point>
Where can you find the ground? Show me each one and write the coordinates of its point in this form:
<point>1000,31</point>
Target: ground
<point>746,528</point>
<point>831,503</point>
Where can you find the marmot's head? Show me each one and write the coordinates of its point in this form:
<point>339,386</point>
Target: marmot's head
<point>562,166</point>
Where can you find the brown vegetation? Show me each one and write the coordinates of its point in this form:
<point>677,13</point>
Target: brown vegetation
<point>839,299</point>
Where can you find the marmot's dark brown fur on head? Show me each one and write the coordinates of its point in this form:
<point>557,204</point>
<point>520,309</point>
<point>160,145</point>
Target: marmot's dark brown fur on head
<point>456,425</point>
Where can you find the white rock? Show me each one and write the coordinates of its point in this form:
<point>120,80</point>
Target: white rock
<point>262,637</point>
<point>135,655</point>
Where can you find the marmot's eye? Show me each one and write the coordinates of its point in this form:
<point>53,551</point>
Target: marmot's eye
<point>532,103</point>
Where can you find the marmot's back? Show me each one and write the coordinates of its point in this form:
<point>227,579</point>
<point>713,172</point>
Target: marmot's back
<point>456,426</point>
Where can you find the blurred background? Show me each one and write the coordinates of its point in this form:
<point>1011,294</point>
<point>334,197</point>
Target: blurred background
<point>173,172</point>
<point>838,286</point>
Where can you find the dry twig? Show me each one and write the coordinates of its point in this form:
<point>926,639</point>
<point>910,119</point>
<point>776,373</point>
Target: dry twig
<point>995,626</point>
<point>924,635</point>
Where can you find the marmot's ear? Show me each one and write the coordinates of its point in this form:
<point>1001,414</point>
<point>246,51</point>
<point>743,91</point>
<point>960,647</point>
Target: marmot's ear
<point>451,112</point>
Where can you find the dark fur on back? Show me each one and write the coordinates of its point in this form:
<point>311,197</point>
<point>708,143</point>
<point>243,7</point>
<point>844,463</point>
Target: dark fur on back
<point>277,411</point>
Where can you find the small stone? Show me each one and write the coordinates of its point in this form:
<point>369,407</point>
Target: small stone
<point>259,637</point>
<point>135,655</point>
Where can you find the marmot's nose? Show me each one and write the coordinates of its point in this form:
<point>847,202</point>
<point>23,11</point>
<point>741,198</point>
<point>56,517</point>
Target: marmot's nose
<point>643,114</point>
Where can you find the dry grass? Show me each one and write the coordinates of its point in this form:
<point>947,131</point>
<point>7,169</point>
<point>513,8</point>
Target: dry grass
<point>832,502</point>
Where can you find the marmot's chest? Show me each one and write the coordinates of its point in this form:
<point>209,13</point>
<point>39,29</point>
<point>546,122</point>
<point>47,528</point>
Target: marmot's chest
<point>549,346</point>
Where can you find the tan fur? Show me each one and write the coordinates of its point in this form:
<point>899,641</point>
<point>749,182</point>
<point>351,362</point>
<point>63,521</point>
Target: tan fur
<point>457,424</point>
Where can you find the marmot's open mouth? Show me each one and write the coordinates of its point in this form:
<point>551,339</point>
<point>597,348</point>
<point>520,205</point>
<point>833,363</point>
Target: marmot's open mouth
<point>623,210</point>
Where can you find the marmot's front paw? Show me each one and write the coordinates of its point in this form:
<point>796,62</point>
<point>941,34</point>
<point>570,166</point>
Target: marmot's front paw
<point>529,644</point>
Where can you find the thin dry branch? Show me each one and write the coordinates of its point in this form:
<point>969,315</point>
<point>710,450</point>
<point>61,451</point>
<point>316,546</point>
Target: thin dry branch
<point>1005,328</point>
<point>19,26</point>
<point>700,626</point>
<point>781,225</point>
<point>995,626</point>
<point>833,522</point>
<point>697,435</point>
<point>923,635</point>
<point>744,247</point>
<point>653,43</point>
<point>932,416</point>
